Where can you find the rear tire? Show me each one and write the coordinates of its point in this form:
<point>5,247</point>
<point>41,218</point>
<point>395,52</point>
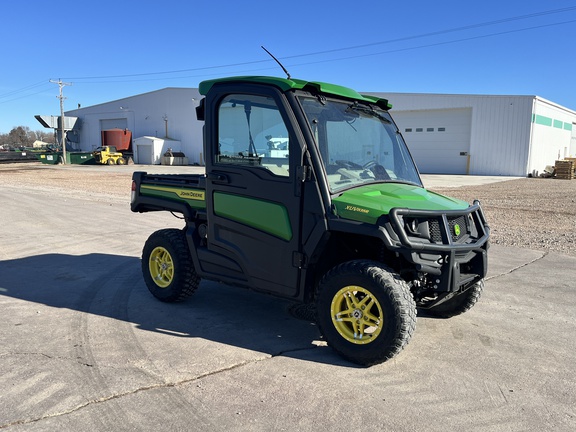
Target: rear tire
<point>120,161</point>
<point>365,311</point>
<point>167,266</point>
<point>459,304</point>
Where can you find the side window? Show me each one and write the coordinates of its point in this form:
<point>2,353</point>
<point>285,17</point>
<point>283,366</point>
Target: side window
<point>251,132</point>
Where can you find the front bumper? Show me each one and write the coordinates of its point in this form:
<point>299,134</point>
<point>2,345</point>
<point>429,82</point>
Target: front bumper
<point>451,246</point>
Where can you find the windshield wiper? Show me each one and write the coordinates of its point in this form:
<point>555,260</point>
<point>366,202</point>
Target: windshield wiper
<point>406,182</point>
<point>367,110</point>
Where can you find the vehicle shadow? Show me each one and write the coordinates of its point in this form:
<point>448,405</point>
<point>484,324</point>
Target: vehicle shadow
<point>112,286</point>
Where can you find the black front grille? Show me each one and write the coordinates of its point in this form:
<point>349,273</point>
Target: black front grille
<point>463,230</point>
<point>457,234</point>
<point>462,223</point>
<point>435,234</point>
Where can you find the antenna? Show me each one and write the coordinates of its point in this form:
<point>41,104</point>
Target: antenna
<point>277,61</point>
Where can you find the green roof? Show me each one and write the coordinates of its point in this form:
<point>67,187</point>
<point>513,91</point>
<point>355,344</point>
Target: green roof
<point>285,84</point>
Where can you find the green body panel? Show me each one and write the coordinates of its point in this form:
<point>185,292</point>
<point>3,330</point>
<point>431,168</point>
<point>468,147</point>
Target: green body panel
<point>194,197</point>
<point>266,216</point>
<point>368,203</point>
<point>296,84</point>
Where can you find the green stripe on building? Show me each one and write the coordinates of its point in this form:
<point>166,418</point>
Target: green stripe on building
<point>547,121</point>
<point>541,120</point>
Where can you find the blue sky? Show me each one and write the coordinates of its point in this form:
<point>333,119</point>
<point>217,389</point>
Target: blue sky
<point>113,49</point>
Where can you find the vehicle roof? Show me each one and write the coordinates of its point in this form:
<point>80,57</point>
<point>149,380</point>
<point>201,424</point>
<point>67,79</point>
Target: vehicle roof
<point>286,84</point>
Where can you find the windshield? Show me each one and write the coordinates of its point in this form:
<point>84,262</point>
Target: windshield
<point>358,143</point>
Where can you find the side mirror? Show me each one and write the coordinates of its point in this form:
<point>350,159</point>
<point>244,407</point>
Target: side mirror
<point>201,109</point>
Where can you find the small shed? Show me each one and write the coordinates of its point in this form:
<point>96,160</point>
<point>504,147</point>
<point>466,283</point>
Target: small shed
<point>148,150</point>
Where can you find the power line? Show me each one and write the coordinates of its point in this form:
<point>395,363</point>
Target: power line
<point>213,74</point>
<point>435,44</point>
<point>106,81</point>
<point>439,32</point>
<point>106,78</point>
<point>21,97</point>
<point>390,41</point>
<point>23,89</point>
<point>170,72</point>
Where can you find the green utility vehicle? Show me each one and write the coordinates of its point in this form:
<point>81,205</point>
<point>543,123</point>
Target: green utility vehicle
<point>311,194</point>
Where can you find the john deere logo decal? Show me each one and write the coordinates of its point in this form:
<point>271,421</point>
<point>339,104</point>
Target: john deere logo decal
<point>457,230</point>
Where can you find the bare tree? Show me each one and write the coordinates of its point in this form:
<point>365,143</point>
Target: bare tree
<point>20,137</point>
<point>47,137</point>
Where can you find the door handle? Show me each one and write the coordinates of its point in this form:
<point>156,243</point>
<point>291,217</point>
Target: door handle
<point>217,177</point>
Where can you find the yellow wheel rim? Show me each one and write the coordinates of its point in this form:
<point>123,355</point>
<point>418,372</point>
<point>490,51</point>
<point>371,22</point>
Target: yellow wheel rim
<point>161,267</point>
<point>357,315</point>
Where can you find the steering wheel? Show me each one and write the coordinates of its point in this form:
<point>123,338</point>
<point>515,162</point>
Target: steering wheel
<point>380,172</point>
<point>348,164</point>
<point>369,164</point>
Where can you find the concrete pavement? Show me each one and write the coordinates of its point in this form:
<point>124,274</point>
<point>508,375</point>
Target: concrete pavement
<point>429,180</point>
<point>84,346</point>
<point>449,180</point>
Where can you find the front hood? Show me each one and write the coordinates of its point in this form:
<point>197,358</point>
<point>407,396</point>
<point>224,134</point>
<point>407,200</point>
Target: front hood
<point>368,203</point>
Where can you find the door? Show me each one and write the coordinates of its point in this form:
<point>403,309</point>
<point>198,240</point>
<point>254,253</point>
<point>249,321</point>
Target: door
<point>117,123</point>
<point>253,198</point>
<point>439,140</point>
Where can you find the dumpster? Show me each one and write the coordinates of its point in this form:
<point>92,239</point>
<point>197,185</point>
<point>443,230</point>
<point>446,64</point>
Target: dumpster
<point>49,158</point>
<point>77,158</point>
<point>81,158</point>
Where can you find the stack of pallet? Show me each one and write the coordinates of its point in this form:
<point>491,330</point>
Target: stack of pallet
<point>565,169</point>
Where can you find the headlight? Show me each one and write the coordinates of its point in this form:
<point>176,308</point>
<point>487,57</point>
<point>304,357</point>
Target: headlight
<point>415,227</point>
<point>412,225</point>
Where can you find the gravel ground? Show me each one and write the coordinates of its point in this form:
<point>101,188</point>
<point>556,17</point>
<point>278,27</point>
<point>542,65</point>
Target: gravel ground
<point>529,213</point>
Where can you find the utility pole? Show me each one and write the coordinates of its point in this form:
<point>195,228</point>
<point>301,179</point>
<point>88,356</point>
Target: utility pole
<point>62,136</point>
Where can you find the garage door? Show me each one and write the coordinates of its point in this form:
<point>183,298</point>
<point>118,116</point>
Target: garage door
<point>439,140</point>
<point>119,123</point>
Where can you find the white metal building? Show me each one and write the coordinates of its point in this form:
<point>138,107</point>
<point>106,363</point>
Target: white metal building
<point>483,135</point>
<point>168,114</point>
<point>447,134</point>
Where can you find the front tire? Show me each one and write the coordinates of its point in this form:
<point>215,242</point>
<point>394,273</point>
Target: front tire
<point>167,266</point>
<point>365,311</point>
